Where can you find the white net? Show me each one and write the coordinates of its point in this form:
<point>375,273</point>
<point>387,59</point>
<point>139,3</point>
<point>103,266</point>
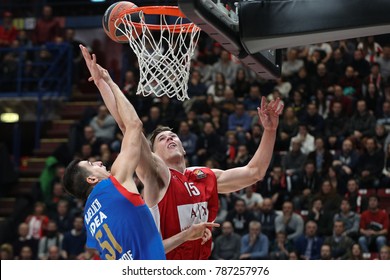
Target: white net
<point>164,56</point>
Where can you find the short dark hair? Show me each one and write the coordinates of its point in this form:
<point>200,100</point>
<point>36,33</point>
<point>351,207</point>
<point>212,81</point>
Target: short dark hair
<point>156,132</point>
<point>74,180</point>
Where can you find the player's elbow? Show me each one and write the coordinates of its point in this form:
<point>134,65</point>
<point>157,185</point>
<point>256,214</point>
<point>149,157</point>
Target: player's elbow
<point>135,124</point>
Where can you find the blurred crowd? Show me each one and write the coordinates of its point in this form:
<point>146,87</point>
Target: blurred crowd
<point>321,196</point>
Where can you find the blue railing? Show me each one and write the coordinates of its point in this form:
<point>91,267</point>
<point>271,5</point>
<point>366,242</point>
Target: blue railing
<point>36,72</point>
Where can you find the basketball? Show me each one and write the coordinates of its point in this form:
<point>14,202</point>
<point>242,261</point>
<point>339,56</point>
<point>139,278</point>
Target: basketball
<point>112,14</point>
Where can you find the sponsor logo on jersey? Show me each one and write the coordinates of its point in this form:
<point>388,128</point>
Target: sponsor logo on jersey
<point>192,214</point>
<point>200,174</point>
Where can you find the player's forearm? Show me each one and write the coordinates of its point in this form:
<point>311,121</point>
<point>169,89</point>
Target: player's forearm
<point>262,158</point>
<point>110,101</point>
<point>175,241</point>
<point>125,109</point>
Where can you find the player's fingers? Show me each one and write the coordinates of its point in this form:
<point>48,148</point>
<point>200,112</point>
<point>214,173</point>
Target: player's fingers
<point>90,79</point>
<point>210,224</point>
<point>263,104</point>
<point>280,109</point>
<point>276,104</point>
<point>94,58</point>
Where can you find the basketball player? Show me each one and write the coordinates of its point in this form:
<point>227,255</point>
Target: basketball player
<point>180,197</point>
<point>118,222</point>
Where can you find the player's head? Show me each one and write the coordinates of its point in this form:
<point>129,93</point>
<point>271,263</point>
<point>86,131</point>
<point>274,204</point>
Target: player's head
<point>165,143</point>
<point>81,175</point>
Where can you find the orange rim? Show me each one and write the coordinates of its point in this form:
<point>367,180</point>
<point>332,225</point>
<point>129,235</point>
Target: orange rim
<point>160,10</point>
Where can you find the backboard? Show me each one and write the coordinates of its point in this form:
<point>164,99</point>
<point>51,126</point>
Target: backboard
<point>255,31</point>
<point>223,25</point>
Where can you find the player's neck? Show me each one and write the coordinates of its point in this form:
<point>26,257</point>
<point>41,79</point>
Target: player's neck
<point>177,164</point>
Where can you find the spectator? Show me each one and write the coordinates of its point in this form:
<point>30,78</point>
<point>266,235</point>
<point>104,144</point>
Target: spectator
<point>8,32</point>
<point>374,226</point>
<point>306,186</point>
<point>331,200</point>
<point>254,245</point>
<point>104,125</point>
<point>349,218</point>
<point>52,238</point>
<point>209,144</point>
<point>383,116</point>
<point>309,243</point>
<point>253,200</point>
<point>152,120</point>
<point>190,143</point>
<point>385,181</point>
<point>242,157</point>
<point>339,242</point>
<point>6,252</point>
<point>356,200</point>
<point>54,253</point>
<point>326,253</point>
<point>375,78</point>
<point>356,252</point>
<point>384,253</point>
<point>370,164</point>
<point>252,100</point>
<point>292,65</point>
<point>239,122</point>
<point>346,160</point>
<point>218,87</point>
<point>306,139</point>
<point>288,127</point>
<point>314,121</point>
<point>24,240</point>
<point>322,102</point>
<point>266,217</point>
<point>322,218</point>
<point>350,83</point>
<point>74,240</point>
<point>362,123</point>
<point>370,48</point>
<point>335,125</point>
<point>225,66</point>
<point>227,246</point>
<point>293,161</point>
<point>338,62</point>
<point>277,187</point>
<point>37,221</point>
<point>47,27</point>
<point>240,217</point>
<point>321,157</point>
<point>289,222</point>
<point>280,247</point>
<point>346,101</point>
<point>240,85</point>
<point>26,253</point>
<point>298,102</point>
<point>384,62</point>
<point>62,216</point>
<point>361,66</point>
<point>322,78</point>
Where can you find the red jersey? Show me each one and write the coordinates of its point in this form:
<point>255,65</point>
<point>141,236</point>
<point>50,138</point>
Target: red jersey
<point>190,198</point>
<point>374,220</point>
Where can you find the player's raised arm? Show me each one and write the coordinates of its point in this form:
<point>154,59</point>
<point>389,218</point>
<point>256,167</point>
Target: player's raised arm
<point>151,170</point>
<point>237,178</point>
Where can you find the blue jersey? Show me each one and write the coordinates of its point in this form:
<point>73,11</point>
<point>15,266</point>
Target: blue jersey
<point>120,225</point>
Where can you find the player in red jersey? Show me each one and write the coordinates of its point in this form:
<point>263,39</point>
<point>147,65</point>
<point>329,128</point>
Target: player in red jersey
<point>180,196</point>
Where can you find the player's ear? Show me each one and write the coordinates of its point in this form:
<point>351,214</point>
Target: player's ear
<point>92,180</point>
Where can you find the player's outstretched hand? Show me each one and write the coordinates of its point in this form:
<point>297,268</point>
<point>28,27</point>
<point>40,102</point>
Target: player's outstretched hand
<point>269,113</point>
<point>97,72</point>
<point>201,230</point>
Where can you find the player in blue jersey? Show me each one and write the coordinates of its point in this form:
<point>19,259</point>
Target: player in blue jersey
<point>119,224</point>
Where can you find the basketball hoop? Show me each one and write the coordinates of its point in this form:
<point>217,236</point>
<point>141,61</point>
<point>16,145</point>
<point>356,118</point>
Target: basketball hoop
<point>163,50</point>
